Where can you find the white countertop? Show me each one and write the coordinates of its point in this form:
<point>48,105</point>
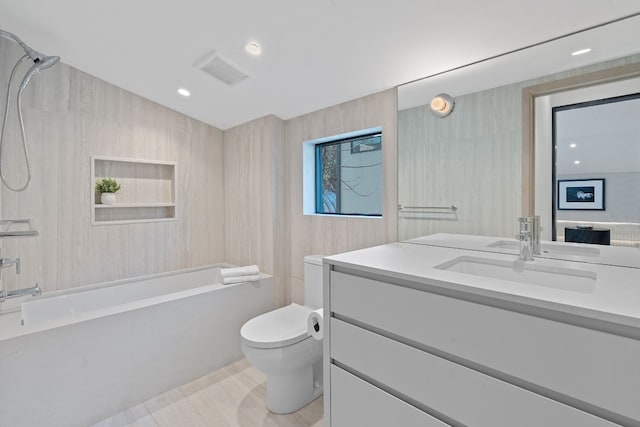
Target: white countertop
<point>609,255</point>
<point>614,298</point>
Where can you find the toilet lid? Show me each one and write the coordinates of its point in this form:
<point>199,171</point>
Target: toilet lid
<point>277,328</point>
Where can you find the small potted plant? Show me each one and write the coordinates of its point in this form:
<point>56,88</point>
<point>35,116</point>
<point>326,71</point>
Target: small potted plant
<point>107,189</point>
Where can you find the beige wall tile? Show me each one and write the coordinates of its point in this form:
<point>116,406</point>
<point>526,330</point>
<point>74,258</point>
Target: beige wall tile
<point>264,224</point>
<point>253,194</point>
<point>329,235</point>
<point>239,193</point>
<point>69,116</point>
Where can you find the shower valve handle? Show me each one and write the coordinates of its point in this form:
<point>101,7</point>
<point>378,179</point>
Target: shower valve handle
<point>8,262</point>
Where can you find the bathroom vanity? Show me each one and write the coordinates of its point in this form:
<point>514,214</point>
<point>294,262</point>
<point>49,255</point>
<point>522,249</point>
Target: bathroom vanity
<point>428,335</point>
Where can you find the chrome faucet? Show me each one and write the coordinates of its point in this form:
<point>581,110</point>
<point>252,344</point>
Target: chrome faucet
<point>526,237</point>
<point>4,295</point>
<point>34,291</point>
<point>535,234</point>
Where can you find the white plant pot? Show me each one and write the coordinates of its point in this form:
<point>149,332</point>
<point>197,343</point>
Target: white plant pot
<point>108,198</point>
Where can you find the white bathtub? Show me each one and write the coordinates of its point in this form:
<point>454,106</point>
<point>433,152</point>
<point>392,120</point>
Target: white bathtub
<point>72,358</point>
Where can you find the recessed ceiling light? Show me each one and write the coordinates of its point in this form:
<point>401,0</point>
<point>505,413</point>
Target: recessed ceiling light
<point>576,162</point>
<point>182,91</point>
<point>253,48</point>
<point>581,52</point>
<point>573,145</point>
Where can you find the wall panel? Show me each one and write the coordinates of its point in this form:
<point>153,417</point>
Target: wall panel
<point>69,116</point>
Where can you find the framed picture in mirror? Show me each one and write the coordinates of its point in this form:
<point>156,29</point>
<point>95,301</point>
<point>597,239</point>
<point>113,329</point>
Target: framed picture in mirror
<point>581,194</point>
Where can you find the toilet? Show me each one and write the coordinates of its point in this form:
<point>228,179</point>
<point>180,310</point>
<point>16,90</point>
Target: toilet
<point>277,343</point>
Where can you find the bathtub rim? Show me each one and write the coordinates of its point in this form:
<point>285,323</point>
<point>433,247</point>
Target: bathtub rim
<point>15,304</point>
<point>118,282</point>
<point>19,330</point>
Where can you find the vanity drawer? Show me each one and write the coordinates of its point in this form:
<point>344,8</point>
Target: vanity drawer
<point>592,369</point>
<point>355,402</point>
<point>463,395</point>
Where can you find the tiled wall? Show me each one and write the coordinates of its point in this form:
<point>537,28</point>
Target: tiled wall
<point>239,192</point>
<point>263,191</point>
<point>471,159</point>
<point>69,116</point>
<point>254,197</point>
<point>311,234</point>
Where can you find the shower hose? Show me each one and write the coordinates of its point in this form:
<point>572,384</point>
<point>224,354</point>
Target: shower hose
<point>20,119</point>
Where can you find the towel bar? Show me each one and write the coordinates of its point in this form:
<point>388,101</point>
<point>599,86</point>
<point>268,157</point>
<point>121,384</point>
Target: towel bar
<point>450,208</point>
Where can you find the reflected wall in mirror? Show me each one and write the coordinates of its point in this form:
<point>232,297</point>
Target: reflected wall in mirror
<point>594,136</point>
<point>474,158</point>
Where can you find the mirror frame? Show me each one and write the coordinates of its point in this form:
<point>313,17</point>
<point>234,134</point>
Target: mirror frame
<point>529,95</point>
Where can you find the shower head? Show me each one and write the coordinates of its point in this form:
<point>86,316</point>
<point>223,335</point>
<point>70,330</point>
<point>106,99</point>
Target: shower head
<point>46,62</point>
<point>40,64</point>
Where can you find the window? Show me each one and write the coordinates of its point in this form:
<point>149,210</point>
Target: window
<point>348,175</point>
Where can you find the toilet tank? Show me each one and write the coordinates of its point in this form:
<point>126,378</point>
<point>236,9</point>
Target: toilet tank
<point>313,281</point>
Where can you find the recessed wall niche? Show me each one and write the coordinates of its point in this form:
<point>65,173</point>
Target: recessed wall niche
<point>147,193</point>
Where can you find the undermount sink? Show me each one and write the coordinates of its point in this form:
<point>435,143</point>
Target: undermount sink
<point>524,272</point>
<point>545,249</point>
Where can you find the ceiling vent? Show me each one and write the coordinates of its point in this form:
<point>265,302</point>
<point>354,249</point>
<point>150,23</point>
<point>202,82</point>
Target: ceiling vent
<point>220,68</point>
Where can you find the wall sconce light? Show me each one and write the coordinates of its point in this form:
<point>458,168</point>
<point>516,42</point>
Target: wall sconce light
<point>442,105</point>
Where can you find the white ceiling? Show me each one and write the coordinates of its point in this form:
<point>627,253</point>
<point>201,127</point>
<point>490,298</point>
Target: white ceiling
<point>316,53</point>
<point>614,40</point>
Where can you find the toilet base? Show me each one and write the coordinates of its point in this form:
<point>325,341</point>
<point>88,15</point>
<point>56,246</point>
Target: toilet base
<point>287,393</point>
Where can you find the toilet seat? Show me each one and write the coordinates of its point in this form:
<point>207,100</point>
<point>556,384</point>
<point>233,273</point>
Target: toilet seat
<point>278,328</point>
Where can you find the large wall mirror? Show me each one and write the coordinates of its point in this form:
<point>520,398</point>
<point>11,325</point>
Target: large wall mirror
<point>476,170</point>
<point>587,141</point>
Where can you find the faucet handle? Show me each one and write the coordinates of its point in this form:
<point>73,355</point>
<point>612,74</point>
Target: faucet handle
<point>8,262</point>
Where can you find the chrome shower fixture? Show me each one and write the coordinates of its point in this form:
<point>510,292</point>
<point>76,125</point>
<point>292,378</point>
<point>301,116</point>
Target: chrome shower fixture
<point>35,56</point>
<point>40,62</point>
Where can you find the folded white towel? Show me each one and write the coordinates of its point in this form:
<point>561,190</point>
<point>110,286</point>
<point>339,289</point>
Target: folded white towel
<point>240,279</point>
<point>249,270</point>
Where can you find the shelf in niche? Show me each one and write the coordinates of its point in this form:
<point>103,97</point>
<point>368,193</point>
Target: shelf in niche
<point>134,205</point>
<point>147,194</point>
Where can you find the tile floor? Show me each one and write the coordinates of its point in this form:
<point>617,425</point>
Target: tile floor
<point>229,397</point>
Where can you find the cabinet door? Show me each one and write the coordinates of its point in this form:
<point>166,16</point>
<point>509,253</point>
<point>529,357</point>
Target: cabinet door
<point>461,394</point>
<point>355,402</point>
<point>590,369</point>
